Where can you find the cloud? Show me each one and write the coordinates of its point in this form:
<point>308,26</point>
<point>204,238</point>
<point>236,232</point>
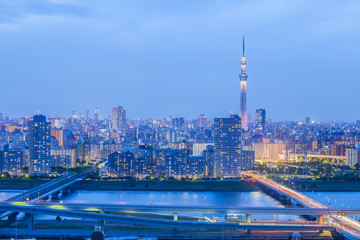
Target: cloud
<point>15,12</point>
<point>339,19</point>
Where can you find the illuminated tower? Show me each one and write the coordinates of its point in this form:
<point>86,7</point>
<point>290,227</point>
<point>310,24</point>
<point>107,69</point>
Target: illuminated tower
<point>243,79</point>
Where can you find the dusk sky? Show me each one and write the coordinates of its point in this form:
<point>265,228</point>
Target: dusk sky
<point>180,58</point>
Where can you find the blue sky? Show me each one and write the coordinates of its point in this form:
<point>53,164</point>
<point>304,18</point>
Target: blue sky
<point>180,58</point>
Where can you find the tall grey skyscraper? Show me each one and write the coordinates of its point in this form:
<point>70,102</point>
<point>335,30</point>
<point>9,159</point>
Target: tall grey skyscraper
<point>260,120</point>
<point>118,118</point>
<point>96,115</point>
<point>243,79</point>
<point>230,159</point>
<point>39,145</point>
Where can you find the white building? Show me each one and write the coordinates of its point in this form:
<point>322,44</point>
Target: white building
<point>198,148</point>
<point>352,157</point>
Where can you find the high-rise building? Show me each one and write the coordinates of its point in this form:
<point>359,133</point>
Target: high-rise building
<point>201,121</point>
<point>208,155</point>
<point>118,118</point>
<point>352,157</point>
<point>39,145</point>
<point>260,120</point>
<point>11,161</point>
<point>120,163</point>
<point>230,159</point>
<point>198,148</point>
<point>195,167</point>
<point>243,79</point>
<point>179,123</point>
<point>63,158</point>
<point>87,116</point>
<point>59,135</point>
<point>96,115</point>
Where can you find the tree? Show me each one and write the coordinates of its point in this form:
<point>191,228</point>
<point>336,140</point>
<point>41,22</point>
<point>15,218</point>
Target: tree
<point>6,175</point>
<point>357,166</point>
<point>25,170</point>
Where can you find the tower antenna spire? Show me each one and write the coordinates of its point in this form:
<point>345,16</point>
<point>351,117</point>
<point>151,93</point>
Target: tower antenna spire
<point>243,46</point>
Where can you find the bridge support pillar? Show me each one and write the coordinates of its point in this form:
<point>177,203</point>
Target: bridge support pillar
<point>248,218</point>
<point>175,216</point>
<point>320,219</point>
<point>30,221</point>
<point>102,225</point>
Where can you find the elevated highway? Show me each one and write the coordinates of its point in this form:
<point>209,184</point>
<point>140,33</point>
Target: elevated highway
<point>197,209</point>
<point>48,188</point>
<point>142,221</point>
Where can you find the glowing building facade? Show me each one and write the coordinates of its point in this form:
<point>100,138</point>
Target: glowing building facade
<point>39,145</point>
<point>230,159</point>
<point>260,120</point>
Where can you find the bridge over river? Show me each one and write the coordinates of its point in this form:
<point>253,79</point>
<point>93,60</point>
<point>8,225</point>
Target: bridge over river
<point>348,227</point>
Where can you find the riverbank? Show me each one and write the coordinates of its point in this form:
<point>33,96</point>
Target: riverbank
<point>326,186</point>
<point>21,183</point>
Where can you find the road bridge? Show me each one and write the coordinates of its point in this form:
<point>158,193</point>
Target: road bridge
<point>143,221</point>
<point>48,188</point>
<point>197,209</point>
<point>345,225</point>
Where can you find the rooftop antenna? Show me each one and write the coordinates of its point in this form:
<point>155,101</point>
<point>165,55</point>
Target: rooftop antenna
<point>243,46</point>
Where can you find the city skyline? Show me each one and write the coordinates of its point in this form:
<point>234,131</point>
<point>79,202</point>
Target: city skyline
<point>124,119</point>
<point>102,59</point>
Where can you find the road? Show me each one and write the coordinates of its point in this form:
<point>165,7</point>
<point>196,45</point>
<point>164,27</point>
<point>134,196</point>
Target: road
<point>345,225</point>
<point>164,223</point>
<point>198,209</point>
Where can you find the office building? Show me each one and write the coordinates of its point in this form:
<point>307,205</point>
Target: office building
<point>260,120</point>
<point>59,135</point>
<point>175,163</point>
<point>96,116</point>
<point>63,158</point>
<point>119,119</point>
<point>179,123</point>
<point>198,148</point>
<point>268,151</point>
<point>209,158</point>
<point>11,161</point>
<point>195,166</point>
<point>201,121</point>
<point>120,164</point>
<point>352,157</point>
<point>229,157</point>
<point>39,145</point>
